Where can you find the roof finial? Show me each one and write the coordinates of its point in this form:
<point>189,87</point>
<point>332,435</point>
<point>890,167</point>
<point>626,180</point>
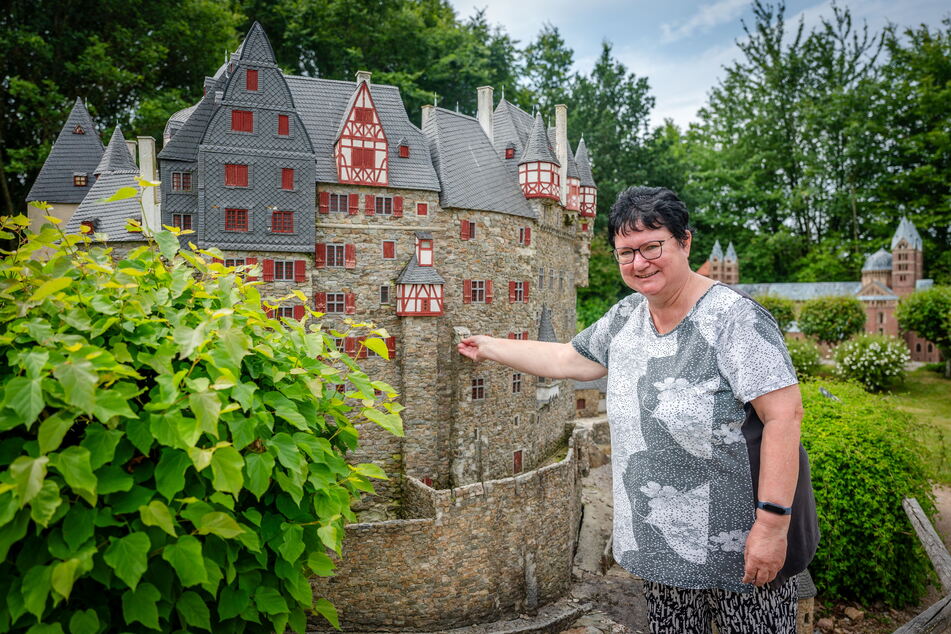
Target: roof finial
<point>503,92</point>
<point>457,107</point>
<point>435,100</point>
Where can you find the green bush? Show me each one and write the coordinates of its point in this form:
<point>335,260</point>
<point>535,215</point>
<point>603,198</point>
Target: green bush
<point>805,357</point>
<point>875,361</point>
<point>170,457</point>
<point>864,462</point>
<point>783,310</point>
<point>832,319</point>
<point>928,313</point>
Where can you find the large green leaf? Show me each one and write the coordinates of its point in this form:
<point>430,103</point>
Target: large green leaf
<point>25,397</point>
<point>64,575</point>
<point>34,362</point>
<point>112,479</point>
<point>327,610</point>
<point>269,600</point>
<point>141,605</point>
<point>193,610</point>
<point>167,242</point>
<point>73,464</point>
<point>13,532</point>
<point>84,622</point>
<point>36,588</point>
<point>170,472</point>
<point>46,502</point>
<point>286,409</point>
<point>258,467</point>
<point>78,378</point>
<point>292,544</point>
<point>226,467</point>
<point>8,507</point>
<point>128,557</point>
<point>218,523</point>
<point>28,475</point>
<point>188,339</point>
<point>320,564</point>
<point>49,287</point>
<point>390,422</point>
<point>100,442</point>
<point>330,537</point>
<point>206,406</point>
<point>232,602</point>
<point>78,525</point>
<point>155,513</point>
<point>114,402</point>
<point>185,557</point>
<point>378,346</point>
<point>53,428</point>
<point>285,450</point>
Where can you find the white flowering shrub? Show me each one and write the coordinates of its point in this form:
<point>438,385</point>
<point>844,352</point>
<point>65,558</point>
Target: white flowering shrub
<point>875,361</point>
<point>805,357</point>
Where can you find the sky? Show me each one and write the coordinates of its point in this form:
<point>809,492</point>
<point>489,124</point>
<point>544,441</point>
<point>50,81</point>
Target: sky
<point>681,46</point>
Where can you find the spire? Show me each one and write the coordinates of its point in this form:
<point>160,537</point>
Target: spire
<point>77,151</point>
<point>546,329</point>
<point>537,147</point>
<point>256,47</point>
<point>117,159</point>
<point>730,253</point>
<point>717,253</point>
<point>906,229</point>
<point>584,165</point>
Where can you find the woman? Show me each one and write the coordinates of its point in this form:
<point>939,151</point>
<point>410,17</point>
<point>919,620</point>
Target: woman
<point>713,505</point>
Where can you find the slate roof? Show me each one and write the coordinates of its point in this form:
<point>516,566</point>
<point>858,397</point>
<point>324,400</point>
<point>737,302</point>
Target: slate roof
<point>800,291</point>
<point>584,165</point>
<point>510,125</point>
<point>906,229</point>
<point>472,174</point>
<point>118,170</point>
<point>184,145</point>
<point>806,587</point>
<point>71,154</point>
<point>413,273</point>
<point>321,104</point>
<point>537,147</point>
<point>730,253</point>
<point>546,330</point>
<point>922,285</point>
<point>598,384</point>
<point>717,252</point>
<point>881,260</point>
<point>572,163</point>
<point>256,47</point>
<point>177,120</point>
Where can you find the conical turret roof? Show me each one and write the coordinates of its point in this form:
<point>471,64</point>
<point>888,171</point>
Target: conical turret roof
<point>907,230</point>
<point>717,252</point>
<point>117,159</point>
<point>584,165</point>
<point>256,47</point>
<point>546,329</point>
<point>730,253</point>
<point>537,147</point>
<point>77,150</point>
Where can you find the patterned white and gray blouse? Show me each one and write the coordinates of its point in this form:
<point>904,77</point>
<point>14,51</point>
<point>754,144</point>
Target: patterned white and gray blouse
<point>676,402</point>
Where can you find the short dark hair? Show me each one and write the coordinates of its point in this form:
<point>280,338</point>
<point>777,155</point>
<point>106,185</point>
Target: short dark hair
<point>649,208</point>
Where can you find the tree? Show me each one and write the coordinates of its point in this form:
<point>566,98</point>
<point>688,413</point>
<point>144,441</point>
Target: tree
<point>832,319</point>
<point>548,62</point>
<point>783,310</point>
<point>928,313</point>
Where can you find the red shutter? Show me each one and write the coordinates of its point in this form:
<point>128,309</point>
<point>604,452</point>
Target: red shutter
<point>397,206</point>
<point>349,256</point>
<point>488,291</point>
<point>287,178</point>
<point>524,335</point>
<point>350,303</point>
<point>354,206</point>
<point>299,312</point>
<point>300,271</point>
<point>320,255</point>
<point>526,290</point>
<point>283,125</point>
<point>229,174</point>
<point>466,291</point>
<point>251,262</point>
<point>320,302</point>
<point>269,312</point>
<point>369,204</point>
<point>391,346</point>
<point>389,249</point>
<point>323,202</point>
<point>511,335</point>
<point>242,175</point>
<point>422,209</point>
<point>464,230</point>
<point>528,236</point>
<point>361,348</point>
<point>251,79</point>
<point>350,346</point>
<point>511,292</point>
<point>268,270</point>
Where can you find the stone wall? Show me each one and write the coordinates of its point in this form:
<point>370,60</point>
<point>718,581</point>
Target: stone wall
<point>465,560</point>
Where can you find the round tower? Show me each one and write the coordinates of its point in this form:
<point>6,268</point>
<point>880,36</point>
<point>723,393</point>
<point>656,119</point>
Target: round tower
<point>538,169</point>
<point>878,268</point>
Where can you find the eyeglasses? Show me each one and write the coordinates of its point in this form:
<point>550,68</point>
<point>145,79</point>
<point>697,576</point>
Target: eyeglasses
<point>649,251</point>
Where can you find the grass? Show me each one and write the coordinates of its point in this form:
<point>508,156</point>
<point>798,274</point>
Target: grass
<point>926,395</point>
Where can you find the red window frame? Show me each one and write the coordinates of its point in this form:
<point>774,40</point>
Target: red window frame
<point>363,115</point>
<point>336,254</point>
<point>236,220</point>
<point>287,178</point>
<point>404,151</point>
<point>385,294</point>
<point>283,125</point>
<point>384,205</point>
<point>181,181</point>
<point>251,79</point>
<point>242,121</point>
<point>282,222</point>
<point>422,209</point>
<point>337,203</point>
<point>389,249</point>
<point>182,221</point>
<point>236,175</point>
<point>284,271</point>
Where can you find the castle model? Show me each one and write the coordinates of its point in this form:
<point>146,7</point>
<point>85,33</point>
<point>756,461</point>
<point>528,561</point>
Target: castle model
<point>466,225</point>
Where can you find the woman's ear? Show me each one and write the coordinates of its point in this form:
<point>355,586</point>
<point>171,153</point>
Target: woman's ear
<point>687,242</point>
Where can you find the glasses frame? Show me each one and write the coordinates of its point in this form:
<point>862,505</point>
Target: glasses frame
<point>634,252</point>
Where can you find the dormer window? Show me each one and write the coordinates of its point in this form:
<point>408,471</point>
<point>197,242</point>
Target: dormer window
<point>404,151</point>
<point>509,152</point>
<point>251,79</point>
<point>79,130</point>
<point>424,252</point>
<point>80,180</point>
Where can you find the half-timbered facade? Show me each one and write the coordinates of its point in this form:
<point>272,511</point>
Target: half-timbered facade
<point>361,147</point>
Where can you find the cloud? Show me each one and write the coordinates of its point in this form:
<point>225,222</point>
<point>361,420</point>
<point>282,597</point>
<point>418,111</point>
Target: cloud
<point>709,16</point>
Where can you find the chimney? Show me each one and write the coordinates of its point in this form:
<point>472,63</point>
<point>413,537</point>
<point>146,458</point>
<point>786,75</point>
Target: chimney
<point>485,111</point>
<point>561,147</point>
<point>427,114</point>
<point>151,219</point>
<point>131,146</point>
<point>363,76</point>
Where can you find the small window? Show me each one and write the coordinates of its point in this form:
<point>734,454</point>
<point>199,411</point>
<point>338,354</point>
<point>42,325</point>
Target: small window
<point>363,115</point>
<point>364,158</point>
<point>517,461</point>
<point>541,278</point>
<point>478,290</point>
<point>478,389</point>
<point>287,178</point>
<point>236,175</point>
<point>881,317</point>
<point>236,219</point>
<point>930,348</point>
<point>580,404</point>
<point>338,203</point>
<point>283,125</point>
<point>182,221</point>
<point>181,181</point>
<point>518,292</point>
<point>385,294</point>
<point>422,209</point>
<point>233,262</point>
<point>384,205</point>
<point>79,130</point>
<point>516,382</point>
<point>282,222</point>
<point>404,151</point>
<point>336,303</point>
<point>335,255</point>
<point>283,270</point>
<point>285,312</point>
<point>389,249</point>
<point>80,180</point>
<point>89,225</point>
<point>525,236</point>
<point>509,152</point>
<point>242,121</point>
<point>918,347</point>
<point>251,79</point>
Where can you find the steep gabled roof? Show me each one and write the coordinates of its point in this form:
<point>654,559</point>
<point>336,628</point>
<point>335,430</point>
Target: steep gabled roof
<point>177,120</point>
<point>584,165</point>
<point>321,105</point>
<point>118,170</point>
<point>908,232</point>
<point>256,47</point>
<point>184,145</point>
<point>413,273</point>
<point>537,147</point>
<point>472,174</point>
<point>717,252</point>
<point>511,126</point>
<point>71,154</point>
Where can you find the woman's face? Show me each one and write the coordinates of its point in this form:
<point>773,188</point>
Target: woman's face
<point>653,277</point>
